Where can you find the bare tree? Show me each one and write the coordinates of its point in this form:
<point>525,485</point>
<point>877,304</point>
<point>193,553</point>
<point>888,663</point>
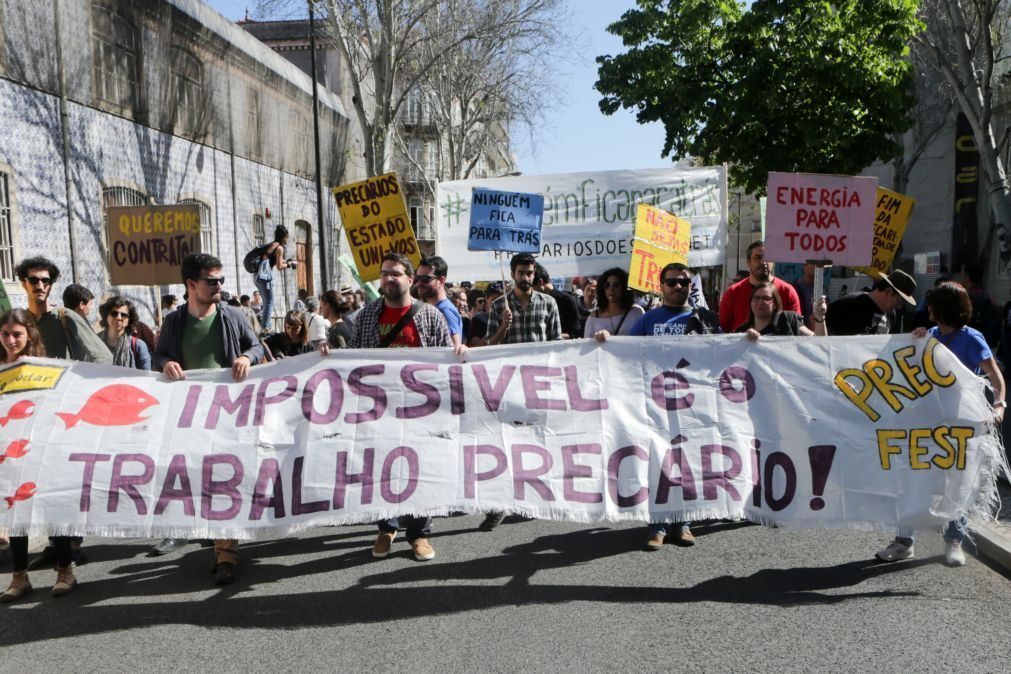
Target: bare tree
<point>966,41</point>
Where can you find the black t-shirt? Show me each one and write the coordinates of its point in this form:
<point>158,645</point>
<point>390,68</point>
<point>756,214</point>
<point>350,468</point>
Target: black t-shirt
<point>280,347</point>
<point>568,313</point>
<point>341,328</point>
<point>786,324</point>
<point>478,325</point>
<point>856,314</point>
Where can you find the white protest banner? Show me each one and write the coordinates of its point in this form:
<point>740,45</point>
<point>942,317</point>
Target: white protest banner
<point>820,217</point>
<point>870,432</point>
<point>589,218</point>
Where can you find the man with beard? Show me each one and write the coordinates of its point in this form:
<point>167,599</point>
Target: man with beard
<point>675,317</point>
<point>735,305</point>
<point>396,320</point>
<point>204,333</point>
<point>65,334</point>
<point>524,315</point>
<point>430,282</point>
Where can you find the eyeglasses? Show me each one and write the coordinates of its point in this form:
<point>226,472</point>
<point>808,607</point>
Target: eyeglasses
<point>120,314</point>
<point>614,284</point>
<point>671,282</point>
<point>764,299</point>
<point>45,281</point>
<point>424,278</point>
<point>391,274</point>
<point>213,281</point>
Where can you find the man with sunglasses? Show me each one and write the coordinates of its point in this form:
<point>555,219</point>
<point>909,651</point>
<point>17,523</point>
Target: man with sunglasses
<point>430,282</point>
<point>66,334</point>
<point>676,316</point>
<point>206,333</point>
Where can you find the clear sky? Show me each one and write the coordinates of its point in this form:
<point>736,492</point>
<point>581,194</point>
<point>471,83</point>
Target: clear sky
<point>580,137</point>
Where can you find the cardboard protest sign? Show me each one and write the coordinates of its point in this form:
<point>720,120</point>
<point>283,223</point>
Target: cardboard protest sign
<point>147,244</point>
<point>820,217</point>
<point>375,223</point>
<point>660,239</point>
<point>505,221</point>
<point>891,216</point>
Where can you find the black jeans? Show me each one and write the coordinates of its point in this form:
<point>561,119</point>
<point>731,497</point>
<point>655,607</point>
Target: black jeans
<point>19,551</point>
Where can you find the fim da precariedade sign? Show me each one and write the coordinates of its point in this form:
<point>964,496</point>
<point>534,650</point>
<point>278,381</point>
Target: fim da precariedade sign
<point>147,244</point>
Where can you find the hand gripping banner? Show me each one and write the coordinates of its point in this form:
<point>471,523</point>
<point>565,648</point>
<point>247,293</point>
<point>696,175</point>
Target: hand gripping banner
<point>864,432</point>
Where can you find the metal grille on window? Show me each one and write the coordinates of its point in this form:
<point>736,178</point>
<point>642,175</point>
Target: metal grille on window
<point>6,231</point>
<point>259,233</point>
<point>115,57</point>
<point>208,242</point>
<point>187,77</point>
<point>118,196</point>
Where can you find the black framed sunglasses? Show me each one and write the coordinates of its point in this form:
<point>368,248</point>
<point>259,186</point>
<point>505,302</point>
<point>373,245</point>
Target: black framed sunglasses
<point>424,278</point>
<point>120,314</point>
<point>44,281</point>
<point>213,280</point>
<point>671,282</point>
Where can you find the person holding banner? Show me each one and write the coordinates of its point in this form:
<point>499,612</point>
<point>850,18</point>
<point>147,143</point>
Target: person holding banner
<point>396,320</point>
<point>676,316</point>
<point>21,337</point>
<point>950,307</point>
<point>866,313</point>
<point>271,258</point>
<point>616,310</point>
<point>65,334</point>
<point>769,318</point>
<point>735,305</point>
<point>203,334</point>
<point>294,341</point>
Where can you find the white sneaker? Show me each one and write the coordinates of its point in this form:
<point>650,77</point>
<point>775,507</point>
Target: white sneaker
<point>953,555</point>
<point>895,552</point>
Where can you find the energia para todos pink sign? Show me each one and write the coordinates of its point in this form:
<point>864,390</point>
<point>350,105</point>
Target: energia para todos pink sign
<point>820,217</point>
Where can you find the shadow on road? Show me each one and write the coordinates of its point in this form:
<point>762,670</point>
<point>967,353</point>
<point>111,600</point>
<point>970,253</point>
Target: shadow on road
<point>423,590</point>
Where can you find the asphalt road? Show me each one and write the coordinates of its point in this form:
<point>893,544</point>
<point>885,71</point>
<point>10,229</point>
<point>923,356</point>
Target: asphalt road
<point>531,596</point>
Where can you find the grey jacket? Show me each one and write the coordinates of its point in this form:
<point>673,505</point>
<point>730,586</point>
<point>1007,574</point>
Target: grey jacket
<point>239,337</point>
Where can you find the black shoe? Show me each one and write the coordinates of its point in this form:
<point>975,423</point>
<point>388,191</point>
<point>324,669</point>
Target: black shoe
<point>492,520</point>
<point>225,573</point>
<point>166,546</point>
<point>45,560</point>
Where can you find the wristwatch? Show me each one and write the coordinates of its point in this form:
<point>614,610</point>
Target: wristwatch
<point>1000,403</point>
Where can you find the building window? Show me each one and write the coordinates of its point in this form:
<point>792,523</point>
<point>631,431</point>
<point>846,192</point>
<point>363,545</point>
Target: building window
<point>117,196</point>
<point>187,80</point>
<point>208,242</point>
<point>259,233</point>
<point>7,252</point>
<point>415,210</point>
<point>416,158</point>
<point>253,125</point>
<point>114,55</point>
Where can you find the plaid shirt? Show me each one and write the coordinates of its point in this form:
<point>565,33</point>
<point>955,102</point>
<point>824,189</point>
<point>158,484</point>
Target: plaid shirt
<point>431,326</point>
<point>539,323</point>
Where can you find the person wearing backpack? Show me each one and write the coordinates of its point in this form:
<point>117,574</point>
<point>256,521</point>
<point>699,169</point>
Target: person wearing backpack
<point>119,322</point>
<point>271,258</point>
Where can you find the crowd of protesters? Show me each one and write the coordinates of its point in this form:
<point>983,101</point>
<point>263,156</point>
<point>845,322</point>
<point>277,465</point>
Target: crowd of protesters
<point>418,308</point>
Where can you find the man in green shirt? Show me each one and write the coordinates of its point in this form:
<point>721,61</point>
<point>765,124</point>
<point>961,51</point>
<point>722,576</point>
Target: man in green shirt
<point>206,334</point>
<point>66,335</point>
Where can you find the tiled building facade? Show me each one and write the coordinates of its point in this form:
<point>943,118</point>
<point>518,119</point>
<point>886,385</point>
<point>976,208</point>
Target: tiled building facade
<point>127,102</point>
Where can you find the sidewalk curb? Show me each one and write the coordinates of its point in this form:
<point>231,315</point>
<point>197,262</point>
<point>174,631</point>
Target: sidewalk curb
<point>993,541</point>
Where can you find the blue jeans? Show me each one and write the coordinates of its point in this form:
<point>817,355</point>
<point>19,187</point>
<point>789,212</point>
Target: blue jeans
<point>266,289</point>
<point>665,527</point>
<point>417,527</point>
<point>955,532</point>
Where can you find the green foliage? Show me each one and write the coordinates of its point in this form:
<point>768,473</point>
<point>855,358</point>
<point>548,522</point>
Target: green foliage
<point>789,85</point>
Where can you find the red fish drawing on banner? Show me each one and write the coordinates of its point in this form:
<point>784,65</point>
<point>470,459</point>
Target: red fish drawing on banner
<point>115,405</point>
<point>15,450</point>
<point>20,410</point>
<point>24,492</point>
